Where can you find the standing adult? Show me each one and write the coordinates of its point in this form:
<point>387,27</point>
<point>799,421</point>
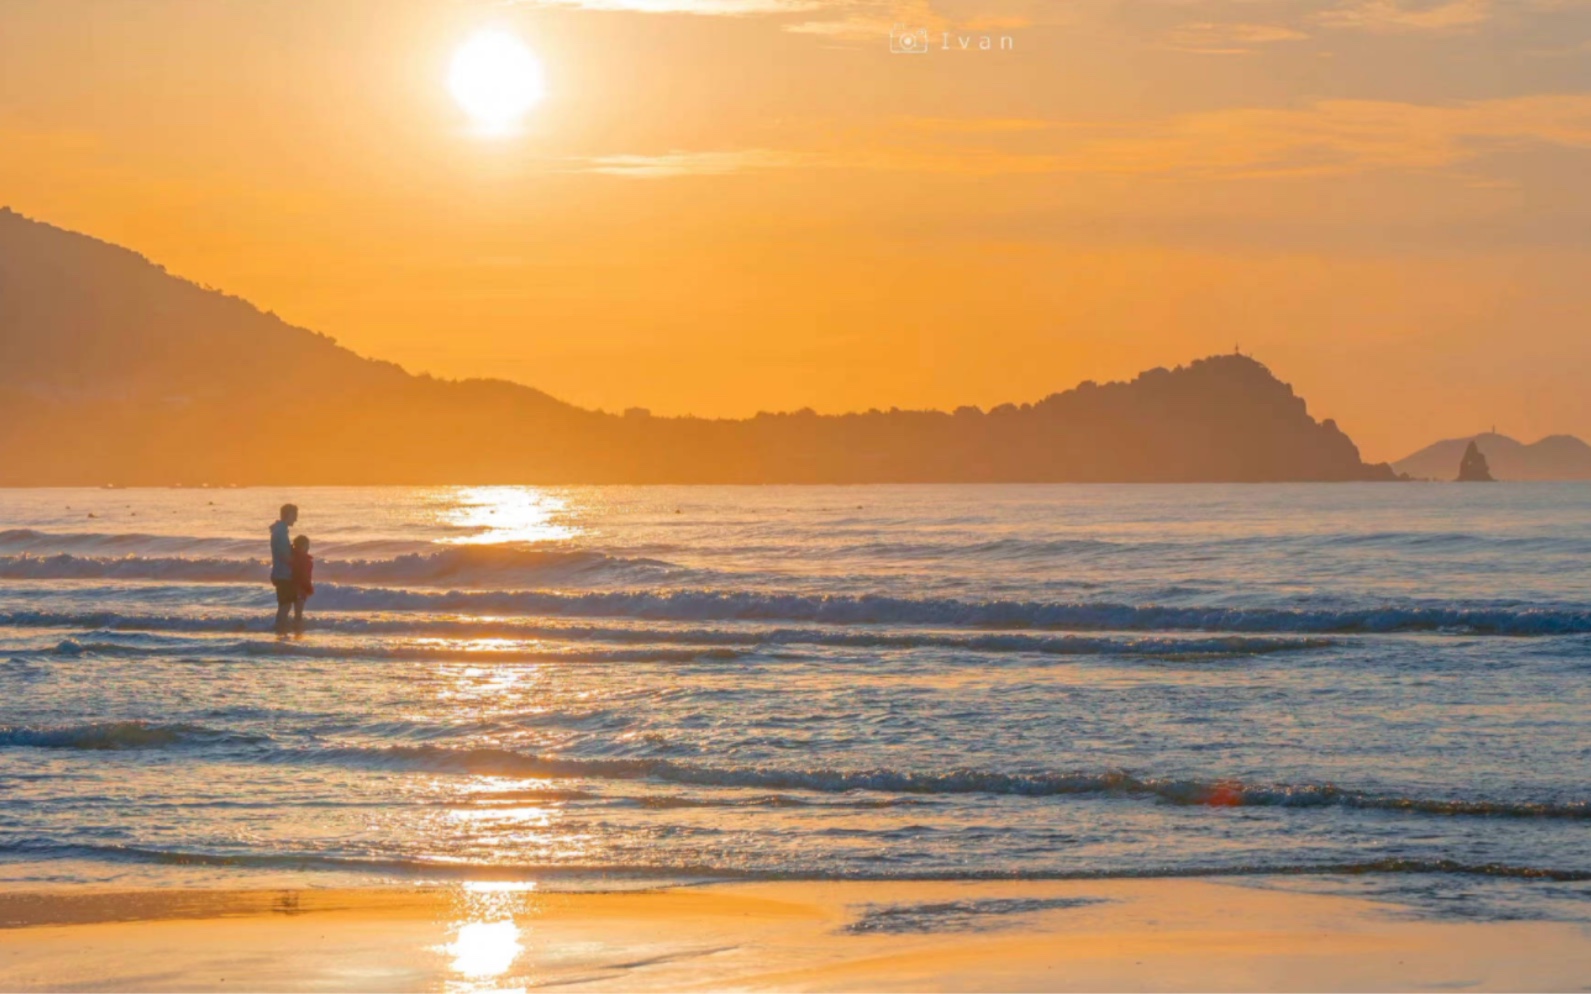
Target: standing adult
<point>282,566</point>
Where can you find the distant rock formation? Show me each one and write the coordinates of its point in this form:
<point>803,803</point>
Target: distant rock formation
<point>1556,457</point>
<point>1472,468</point>
<point>113,371</point>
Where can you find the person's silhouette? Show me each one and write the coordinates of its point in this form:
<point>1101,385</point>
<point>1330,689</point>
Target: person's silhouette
<point>282,566</point>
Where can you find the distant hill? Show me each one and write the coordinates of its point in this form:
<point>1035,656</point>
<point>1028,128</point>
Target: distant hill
<point>1556,457</point>
<point>114,371</point>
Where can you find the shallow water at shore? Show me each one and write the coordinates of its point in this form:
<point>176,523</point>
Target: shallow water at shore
<point>1094,935</point>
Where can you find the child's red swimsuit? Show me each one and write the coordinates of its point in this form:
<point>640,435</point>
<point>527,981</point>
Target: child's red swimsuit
<point>303,570</point>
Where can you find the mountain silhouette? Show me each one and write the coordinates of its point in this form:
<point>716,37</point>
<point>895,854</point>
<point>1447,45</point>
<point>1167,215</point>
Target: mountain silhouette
<point>1556,457</point>
<point>114,371</point>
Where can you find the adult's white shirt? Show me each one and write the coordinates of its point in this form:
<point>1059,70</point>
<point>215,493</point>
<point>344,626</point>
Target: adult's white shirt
<point>281,552</point>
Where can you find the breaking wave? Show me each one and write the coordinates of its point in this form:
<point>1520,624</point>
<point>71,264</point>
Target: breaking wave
<point>113,735</point>
<point>709,643</point>
<point>396,653</point>
<point>684,606</point>
<point>463,564</point>
<point>874,609</point>
<point>502,762</point>
<point>1217,793</point>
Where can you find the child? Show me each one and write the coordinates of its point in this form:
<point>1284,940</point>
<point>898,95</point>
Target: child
<point>303,572</point>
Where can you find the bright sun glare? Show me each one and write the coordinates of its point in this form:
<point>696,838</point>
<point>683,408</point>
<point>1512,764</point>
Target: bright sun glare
<point>495,79</point>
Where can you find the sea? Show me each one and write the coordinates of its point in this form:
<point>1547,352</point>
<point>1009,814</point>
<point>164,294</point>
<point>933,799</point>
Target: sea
<point>1379,689</point>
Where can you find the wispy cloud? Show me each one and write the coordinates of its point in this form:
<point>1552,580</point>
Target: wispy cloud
<point>849,21</point>
<point>1337,137</point>
<point>1214,38</point>
<point>1390,16</point>
<point>975,125</point>
<point>708,163</point>
<point>868,20</point>
<point>706,8</point>
<point>852,28</point>
<point>1332,138</point>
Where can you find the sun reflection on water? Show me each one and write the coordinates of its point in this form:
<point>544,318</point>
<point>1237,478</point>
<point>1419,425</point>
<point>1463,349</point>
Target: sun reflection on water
<point>485,949</point>
<point>487,940</point>
<point>523,817</point>
<point>507,514</point>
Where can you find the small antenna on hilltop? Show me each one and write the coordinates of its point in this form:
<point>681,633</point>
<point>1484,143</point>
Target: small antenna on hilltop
<point>1237,349</point>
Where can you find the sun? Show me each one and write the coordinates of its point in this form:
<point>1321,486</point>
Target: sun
<point>496,80</point>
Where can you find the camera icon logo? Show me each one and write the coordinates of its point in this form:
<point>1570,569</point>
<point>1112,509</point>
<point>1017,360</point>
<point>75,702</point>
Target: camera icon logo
<point>908,41</point>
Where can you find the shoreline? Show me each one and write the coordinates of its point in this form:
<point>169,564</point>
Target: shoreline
<point>1134,934</point>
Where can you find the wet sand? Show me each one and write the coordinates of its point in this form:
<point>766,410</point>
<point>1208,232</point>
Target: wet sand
<point>1075,935</point>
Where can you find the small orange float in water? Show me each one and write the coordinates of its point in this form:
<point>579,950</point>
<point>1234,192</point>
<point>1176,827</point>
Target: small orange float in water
<point>1225,794</point>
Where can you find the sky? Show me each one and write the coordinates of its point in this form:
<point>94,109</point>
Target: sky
<point>726,206</point>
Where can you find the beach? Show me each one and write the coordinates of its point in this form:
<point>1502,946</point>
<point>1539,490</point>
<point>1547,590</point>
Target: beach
<point>1093,935</point>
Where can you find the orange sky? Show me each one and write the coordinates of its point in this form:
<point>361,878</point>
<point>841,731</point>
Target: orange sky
<point>731,205</point>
